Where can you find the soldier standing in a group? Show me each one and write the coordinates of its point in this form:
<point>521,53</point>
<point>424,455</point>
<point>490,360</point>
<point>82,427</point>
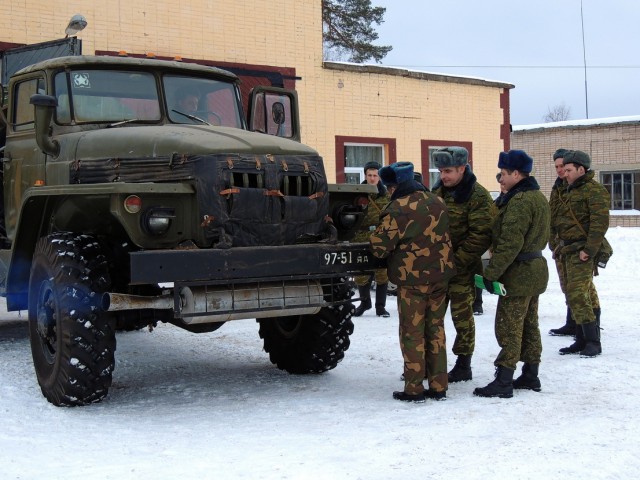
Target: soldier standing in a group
<point>376,203</point>
<point>519,234</point>
<point>469,205</point>
<point>414,237</point>
<point>582,221</point>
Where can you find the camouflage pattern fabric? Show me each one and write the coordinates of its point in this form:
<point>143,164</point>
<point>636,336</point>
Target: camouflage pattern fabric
<point>376,205</point>
<point>589,202</point>
<point>517,331</point>
<point>559,188</point>
<point>422,337</point>
<point>470,216</point>
<point>522,226</point>
<point>414,235</point>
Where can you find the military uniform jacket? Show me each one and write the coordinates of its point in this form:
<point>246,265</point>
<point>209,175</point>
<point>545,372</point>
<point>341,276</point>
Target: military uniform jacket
<point>376,205</point>
<point>589,202</point>
<point>414,235</point>
<point>559,187</point>
<point>522,226</point>
<point>470,218</point>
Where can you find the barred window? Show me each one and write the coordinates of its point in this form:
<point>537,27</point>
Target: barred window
<point>624,188</point>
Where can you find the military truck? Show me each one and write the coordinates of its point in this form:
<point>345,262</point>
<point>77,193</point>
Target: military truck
<point>125,206</point>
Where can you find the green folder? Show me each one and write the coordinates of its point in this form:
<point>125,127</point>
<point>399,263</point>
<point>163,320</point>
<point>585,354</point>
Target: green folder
<point>497,286</point>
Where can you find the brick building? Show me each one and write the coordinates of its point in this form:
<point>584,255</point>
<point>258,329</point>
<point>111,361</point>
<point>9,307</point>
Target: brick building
<point>614,147</point>
<point>350,113</point>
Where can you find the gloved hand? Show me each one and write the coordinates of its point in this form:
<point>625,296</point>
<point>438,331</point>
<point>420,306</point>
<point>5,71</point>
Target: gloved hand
<point>488,285</point>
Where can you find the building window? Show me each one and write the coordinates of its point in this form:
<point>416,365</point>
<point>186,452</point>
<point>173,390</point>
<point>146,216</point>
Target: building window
<point>352,153</point>
<point>624,188</point>
<point>430,146</point>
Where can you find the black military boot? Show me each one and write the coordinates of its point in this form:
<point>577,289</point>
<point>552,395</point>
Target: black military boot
<point>461,371</point>
<point>477,302</point>
<point>568,329</point>
<point>407,397</point>
<point>529,379</point>
<point>381,299</point>
<point>501,387</point>
<point>576,346</point>
<point>592,346</point>
<point>365,299</point>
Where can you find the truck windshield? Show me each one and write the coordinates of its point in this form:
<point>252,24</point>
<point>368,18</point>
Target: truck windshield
<point>201,100</point>
<point>106,96</point>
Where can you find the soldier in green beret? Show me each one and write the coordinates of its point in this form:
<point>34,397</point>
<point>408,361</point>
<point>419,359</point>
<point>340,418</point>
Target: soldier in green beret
<point>470,217</point>
<point>519,234</point>
<point>582,221</point>
<point>414,237</point>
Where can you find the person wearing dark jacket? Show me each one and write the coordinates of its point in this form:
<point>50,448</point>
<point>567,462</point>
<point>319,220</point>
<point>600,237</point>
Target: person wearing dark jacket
<point>519,234</point>
<point>413,235</point>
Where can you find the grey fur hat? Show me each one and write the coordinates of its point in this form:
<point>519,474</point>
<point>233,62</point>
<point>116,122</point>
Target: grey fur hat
<point>451,157</point>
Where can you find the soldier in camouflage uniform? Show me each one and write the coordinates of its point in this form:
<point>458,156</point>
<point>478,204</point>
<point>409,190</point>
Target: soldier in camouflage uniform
<point>469,205</point>
<point>376,203</point>
<point>559,187</point>
<point>582,221</point>
<point>519,234</point>
<point>414,237</point>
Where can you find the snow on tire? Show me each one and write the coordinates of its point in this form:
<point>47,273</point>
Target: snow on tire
<point>72,340</point>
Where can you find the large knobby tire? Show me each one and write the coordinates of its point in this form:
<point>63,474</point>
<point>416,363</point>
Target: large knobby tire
<point>308,343</point>
<point>72,341</point>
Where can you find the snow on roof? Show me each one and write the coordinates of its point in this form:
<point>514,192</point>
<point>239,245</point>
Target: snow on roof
<point>579,123</point>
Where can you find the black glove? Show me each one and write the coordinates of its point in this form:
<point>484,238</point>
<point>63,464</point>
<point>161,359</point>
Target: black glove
<point>488,285</point>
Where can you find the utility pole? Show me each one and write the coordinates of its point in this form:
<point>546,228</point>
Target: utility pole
<point>584,60</point>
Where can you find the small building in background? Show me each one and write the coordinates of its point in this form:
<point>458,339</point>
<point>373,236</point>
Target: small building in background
<point>614,146</point>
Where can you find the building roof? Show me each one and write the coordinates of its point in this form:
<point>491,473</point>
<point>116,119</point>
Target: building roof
<point>589,122</point>
<point>417,74</point>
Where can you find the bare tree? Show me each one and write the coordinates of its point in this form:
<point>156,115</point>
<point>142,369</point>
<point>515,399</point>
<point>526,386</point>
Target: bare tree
<point>558,113</point>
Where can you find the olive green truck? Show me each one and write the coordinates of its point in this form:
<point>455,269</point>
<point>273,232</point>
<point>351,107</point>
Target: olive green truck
<point>124,206</point>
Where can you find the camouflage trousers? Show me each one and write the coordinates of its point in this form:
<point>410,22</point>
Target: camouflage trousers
<point>579,282</point>
<point>380,275</point>
<point>422,338</point>
<point>517,331</point>
<point>461,293</point>
<point>562,276</point>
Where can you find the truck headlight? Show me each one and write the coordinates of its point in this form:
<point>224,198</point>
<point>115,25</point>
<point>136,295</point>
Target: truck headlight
<point>157,220</point>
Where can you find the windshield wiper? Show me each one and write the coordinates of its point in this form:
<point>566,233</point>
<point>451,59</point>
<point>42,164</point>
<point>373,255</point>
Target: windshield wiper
<point>191,117</point>
<point>117,124</point>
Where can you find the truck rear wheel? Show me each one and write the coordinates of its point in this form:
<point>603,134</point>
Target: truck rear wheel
<point>308,343</point>
<point>72,341</point>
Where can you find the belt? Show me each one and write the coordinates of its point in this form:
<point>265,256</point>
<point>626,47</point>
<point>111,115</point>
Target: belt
<point>523,257</point>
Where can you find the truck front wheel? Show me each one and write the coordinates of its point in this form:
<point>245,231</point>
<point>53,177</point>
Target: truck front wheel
<point>308,343</point>
<point>72,340</point>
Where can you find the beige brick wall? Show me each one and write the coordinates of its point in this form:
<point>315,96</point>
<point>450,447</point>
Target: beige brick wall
<point>612,147</point>
<point>284,33</point>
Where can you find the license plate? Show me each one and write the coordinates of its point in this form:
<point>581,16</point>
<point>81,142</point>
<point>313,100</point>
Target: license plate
<point>347,258</point>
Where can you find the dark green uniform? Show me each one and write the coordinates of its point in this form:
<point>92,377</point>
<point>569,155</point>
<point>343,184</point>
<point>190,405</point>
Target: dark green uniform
<point>414,236</point>
<point>470,217</point>
<point>589,201</point>
<point>519,234</point>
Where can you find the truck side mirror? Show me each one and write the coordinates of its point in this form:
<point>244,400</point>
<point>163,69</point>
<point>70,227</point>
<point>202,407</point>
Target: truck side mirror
<point>45,106</point>
<point>274,111</point>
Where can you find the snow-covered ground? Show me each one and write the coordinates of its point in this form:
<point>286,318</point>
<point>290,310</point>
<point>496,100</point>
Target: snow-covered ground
<point>186,406</point>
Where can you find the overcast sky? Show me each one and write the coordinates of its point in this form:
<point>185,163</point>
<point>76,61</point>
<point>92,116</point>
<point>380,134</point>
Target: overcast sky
<point>535,45</point>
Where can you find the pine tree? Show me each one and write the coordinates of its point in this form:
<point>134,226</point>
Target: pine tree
<point>348,31</point>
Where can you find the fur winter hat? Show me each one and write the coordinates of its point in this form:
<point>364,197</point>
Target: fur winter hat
<point>515,160</point>
<point>450,157</point>
<point>371,166</point>
<point>578,157</point>
<point>396,173</point>
<point>559,153</point>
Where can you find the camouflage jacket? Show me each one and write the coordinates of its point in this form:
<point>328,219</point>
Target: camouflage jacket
<point>558,187</point>
<point>589,201</point>
<point>414,235</point>
<point>522,226</point>
<point>470,217</point>
<point>376,205</point>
